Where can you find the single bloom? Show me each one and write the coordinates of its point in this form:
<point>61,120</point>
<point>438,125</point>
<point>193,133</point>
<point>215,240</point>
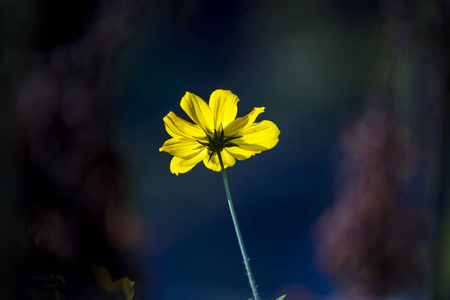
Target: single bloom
<point>216,131</point>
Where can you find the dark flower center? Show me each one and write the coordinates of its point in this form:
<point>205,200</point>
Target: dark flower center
<point>218,142</point>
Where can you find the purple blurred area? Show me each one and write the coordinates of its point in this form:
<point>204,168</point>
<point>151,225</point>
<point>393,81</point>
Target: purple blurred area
<point>373,240</point>
<point>67,180</point>
<point>353,203</point>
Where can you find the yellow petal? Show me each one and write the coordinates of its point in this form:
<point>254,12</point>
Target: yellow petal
<point>124,288</point>
<point>197,109</point>
<point>214,163</point>
<point>258,137</point>
<point>240,123</point>
<point>103,277</point>
<point>182,165</point>
<point>224,107</point>
<point>228,159</point>
<point>182,147</point>
<point>240,153</point>
<point>177,127</point>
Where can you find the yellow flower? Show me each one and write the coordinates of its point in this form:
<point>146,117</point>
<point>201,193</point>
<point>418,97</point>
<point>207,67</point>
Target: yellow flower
<point>216,130</point>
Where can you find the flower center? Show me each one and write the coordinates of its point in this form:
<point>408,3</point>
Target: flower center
<point>218,142</point>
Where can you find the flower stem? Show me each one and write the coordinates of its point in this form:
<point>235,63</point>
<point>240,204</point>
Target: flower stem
<point>238,232</point>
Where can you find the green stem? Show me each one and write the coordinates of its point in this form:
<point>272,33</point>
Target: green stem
<point>238,232</point>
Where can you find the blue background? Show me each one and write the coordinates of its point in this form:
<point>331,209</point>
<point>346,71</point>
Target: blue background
<point>313,65</point>
<point>87,84</point>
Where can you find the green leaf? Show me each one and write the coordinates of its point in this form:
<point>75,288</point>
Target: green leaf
<point>282,297</point>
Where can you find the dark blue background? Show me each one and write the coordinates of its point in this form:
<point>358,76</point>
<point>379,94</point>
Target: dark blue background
<point>311,65</point>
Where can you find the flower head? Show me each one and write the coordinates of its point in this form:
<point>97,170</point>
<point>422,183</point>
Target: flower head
<point>216,132</point>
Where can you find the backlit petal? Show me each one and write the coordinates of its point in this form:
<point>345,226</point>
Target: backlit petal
<point>103,277</point>
<point>197,109</point>
<point>240,153</point>
<point>224,107</point>
<point>214,163</point>
<point>227,158</point>
<point>182,147</point>
<point>240,123</point>
<point>258,137</point>
<point>182,165</point>
<point>178,127</point>
<point>124,288</point>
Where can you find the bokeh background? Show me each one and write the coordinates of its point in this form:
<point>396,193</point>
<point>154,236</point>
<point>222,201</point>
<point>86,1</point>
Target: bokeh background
<point>351,204</point>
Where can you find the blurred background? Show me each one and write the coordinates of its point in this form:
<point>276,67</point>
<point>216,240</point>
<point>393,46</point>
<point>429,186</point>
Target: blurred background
<point>351,204</point>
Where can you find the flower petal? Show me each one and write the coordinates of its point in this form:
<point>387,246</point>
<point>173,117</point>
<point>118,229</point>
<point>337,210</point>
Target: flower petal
<point>228,159</point>
<point>197,109</point>
<point>124,288</point>
<point>224,107</point>
<point>240,153</point>
<point>178,127</point>
<point>103,277</point>
<point>240,123</point>
<point>182,165</point>
<point>258,137</point>
<point>214,163</point>
<point>182,147</point>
